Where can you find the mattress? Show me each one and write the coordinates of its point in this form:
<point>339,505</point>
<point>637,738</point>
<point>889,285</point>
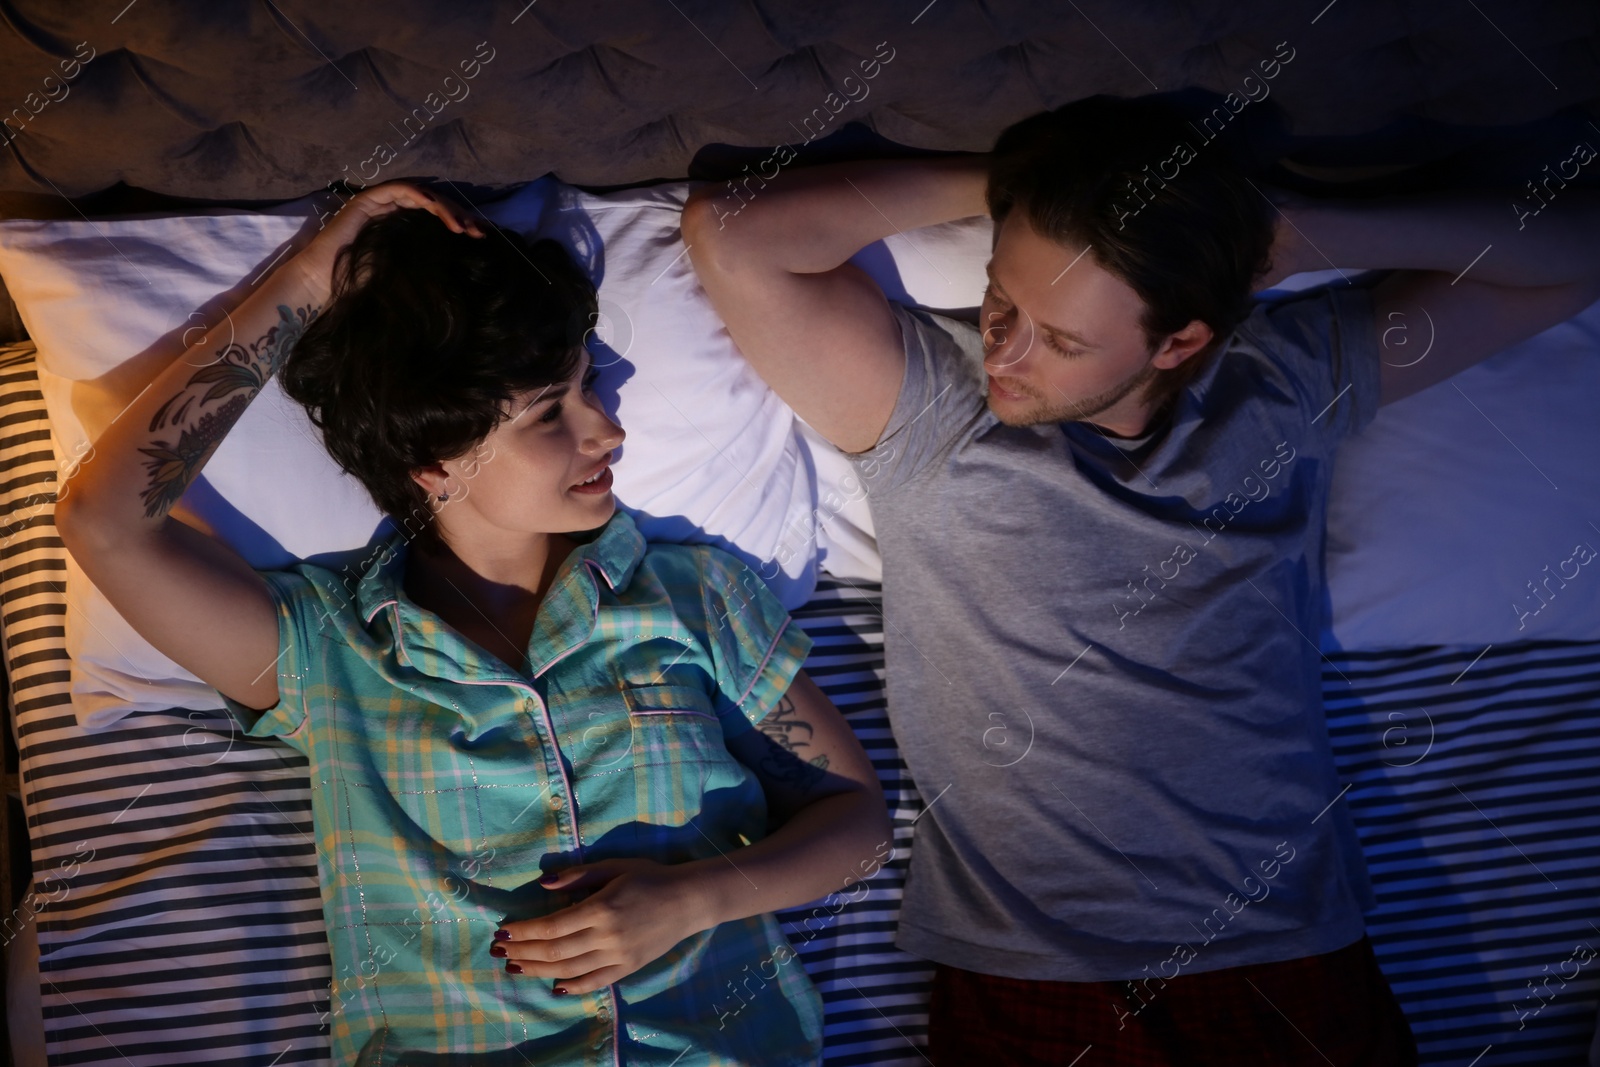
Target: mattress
<point>183,923</point>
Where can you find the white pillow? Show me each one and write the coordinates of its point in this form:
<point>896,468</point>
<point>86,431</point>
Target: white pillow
<point>711,456</point>
<point>106,302</point>
<point>1447,509</point>
<point>1457,516</point>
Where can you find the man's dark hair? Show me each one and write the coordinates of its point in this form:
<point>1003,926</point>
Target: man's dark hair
<point>1188,238</point>
<point>425,340</point>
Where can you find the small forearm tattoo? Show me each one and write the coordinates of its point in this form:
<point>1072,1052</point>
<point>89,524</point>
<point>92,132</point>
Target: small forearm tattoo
<point>234,379</point>
<point>785,760</point>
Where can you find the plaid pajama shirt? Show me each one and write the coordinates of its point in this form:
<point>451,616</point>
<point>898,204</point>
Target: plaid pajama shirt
<point>444,784</point>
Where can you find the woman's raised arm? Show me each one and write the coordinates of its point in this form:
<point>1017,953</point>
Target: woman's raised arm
<point>190,596</point>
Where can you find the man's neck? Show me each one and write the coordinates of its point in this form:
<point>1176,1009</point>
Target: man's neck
<point>1130,418</point>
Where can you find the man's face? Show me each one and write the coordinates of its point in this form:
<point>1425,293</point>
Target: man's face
<point>1062,339</point>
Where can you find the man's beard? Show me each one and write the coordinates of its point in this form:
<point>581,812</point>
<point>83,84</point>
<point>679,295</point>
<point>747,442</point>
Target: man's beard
<point>1064,409</point>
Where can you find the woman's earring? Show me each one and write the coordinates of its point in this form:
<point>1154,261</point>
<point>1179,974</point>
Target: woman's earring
<point>443,497</point>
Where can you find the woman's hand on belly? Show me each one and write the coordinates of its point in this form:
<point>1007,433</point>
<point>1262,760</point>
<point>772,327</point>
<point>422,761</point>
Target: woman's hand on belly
<point>638,909</point>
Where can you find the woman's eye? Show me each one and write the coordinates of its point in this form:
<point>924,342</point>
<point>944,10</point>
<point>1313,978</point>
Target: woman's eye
<point>552,414</point>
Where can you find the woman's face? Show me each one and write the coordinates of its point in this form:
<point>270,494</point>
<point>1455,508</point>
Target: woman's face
<point>545,468</point>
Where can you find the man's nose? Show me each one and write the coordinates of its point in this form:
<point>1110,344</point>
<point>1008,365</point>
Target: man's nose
<point>1005,349</point>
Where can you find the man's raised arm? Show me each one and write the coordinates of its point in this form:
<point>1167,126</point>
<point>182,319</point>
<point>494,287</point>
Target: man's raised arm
<point>815,327</point>
<point>1472,272</point>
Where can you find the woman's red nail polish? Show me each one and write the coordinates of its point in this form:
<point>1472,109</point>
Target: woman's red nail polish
<point>513,968</point>
<point>502,935</point>
<point>497,951</point>
<point>560,991</point>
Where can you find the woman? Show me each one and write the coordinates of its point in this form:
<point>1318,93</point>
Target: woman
<point>533,738</point>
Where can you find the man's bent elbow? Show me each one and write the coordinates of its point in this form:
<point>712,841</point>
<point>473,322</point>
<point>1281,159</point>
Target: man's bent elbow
<point>705,219</point>
<point>719,230</point>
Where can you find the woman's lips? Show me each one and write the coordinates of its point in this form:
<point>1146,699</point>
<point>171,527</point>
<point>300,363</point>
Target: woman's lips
<point>601,484</point>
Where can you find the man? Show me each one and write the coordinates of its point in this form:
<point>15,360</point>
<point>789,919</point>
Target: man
<point>1101,512</point>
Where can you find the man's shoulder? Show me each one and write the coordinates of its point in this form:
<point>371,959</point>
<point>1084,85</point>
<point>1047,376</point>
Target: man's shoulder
<point>1305,320</point>
<point>944,328</point>
<point>1322,345</point>
<point>944,357</point>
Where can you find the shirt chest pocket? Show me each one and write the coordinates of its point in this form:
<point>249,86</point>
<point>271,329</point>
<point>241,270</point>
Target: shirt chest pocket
<point>673,725</point>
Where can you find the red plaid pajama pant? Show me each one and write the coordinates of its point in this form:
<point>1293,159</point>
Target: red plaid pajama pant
<point>1335,1009</point>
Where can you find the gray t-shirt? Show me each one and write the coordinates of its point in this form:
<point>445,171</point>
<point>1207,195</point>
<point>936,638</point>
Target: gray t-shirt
<point>1102,662</point>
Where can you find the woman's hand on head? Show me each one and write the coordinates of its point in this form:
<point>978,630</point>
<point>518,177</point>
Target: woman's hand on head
<point>317,258</point>
<point>637,910</point>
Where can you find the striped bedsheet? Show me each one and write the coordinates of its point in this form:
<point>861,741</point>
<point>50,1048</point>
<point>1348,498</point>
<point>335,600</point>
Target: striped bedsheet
<point>875,996</point>
<point>1474,779</point>
<point>183,924</point>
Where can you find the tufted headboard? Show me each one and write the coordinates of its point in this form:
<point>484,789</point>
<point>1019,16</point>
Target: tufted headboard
<point>119,105</point>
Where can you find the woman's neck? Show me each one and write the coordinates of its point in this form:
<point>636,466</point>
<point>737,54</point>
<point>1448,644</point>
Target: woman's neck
<point>493,582</point>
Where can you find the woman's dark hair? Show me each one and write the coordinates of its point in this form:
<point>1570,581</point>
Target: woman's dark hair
<point>425,340</point>
<point>1159,205</point>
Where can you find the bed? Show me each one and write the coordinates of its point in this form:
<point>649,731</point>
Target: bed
<point>173,913</point>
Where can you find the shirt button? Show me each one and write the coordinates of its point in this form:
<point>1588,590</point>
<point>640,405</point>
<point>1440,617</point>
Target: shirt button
<point>556,801</point>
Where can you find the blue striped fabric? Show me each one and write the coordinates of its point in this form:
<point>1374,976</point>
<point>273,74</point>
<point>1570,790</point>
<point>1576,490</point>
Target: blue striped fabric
<point>1474,778</point>
<point>875,995</point>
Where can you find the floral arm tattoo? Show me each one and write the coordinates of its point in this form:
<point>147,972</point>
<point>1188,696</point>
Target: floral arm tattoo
<point>784,760</point>
<point>237,375</point>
